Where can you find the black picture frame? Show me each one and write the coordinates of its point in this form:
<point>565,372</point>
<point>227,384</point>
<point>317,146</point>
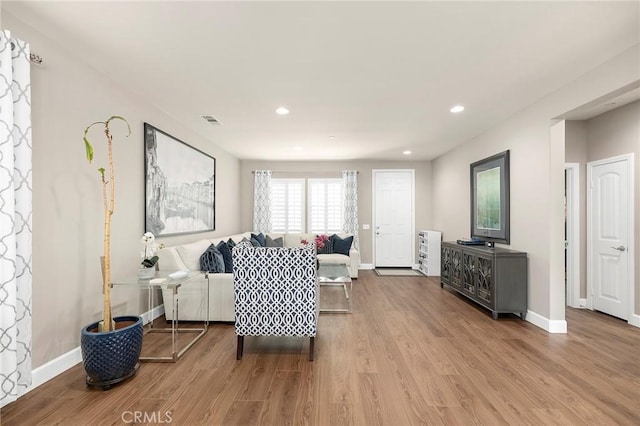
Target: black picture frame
<point>180,183</point>
<point>490,198</point>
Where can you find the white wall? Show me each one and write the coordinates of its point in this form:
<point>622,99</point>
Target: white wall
<point>536,174</point>
<point>67,95</point>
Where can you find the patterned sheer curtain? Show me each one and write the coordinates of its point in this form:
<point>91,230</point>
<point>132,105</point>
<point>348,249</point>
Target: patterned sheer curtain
<point>350,194</point>
<point>262,201</point>
<point>15,218</point>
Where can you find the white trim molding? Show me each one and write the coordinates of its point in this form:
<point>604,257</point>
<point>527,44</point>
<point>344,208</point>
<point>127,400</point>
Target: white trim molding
<point>583,304</point>
<point>366,266</point>
<point>57,366</point>
<point>552,326</point>
<point>635,320</point>
<point>572,243</point>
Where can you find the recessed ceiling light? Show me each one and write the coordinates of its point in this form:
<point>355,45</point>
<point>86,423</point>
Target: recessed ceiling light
<point>332,137</point>
<point>282,111</point>
<point>298,148</point>
<point>406,152</point>
<point>457,108</point>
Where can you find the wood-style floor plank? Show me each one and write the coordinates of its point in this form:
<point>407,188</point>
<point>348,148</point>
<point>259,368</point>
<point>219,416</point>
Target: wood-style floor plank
<point>410,353</point>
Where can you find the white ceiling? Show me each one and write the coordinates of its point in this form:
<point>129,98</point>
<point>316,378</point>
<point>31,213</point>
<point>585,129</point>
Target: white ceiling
<point>378,76</point>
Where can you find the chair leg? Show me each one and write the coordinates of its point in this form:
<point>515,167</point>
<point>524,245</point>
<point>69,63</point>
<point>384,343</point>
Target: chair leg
<point>312,341</point>
<point>240,347</point>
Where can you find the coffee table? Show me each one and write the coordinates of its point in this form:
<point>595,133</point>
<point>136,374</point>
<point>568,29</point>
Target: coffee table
<point>332,275</point>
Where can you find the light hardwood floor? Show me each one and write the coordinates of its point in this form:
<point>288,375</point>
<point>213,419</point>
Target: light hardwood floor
<point>411,353</point>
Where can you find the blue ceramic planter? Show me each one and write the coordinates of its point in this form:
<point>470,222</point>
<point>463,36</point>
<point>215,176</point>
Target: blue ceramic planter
<point>111,357</point>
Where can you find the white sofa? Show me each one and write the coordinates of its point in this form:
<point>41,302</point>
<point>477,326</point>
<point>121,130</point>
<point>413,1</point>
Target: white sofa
<point>221,295</point>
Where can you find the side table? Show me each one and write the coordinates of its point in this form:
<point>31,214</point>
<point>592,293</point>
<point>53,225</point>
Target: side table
<point>162,281</point>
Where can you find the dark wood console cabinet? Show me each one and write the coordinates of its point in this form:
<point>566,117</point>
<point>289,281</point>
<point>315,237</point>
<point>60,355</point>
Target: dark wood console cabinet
<point>496,278</point>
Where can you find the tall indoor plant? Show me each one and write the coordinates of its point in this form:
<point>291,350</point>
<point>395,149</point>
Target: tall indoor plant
<point>111,347</point>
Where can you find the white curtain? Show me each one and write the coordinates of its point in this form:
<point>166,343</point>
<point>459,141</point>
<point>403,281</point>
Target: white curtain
<point>262,201</point>
<point>15,218</point>
<point>350,194</point>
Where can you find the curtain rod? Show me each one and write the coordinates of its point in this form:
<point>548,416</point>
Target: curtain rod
<point>304,171</point>
<point>35,59</point>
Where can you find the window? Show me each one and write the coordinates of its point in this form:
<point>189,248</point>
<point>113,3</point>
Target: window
<point>287,205</point>
<point>324,206</point>
<point>320,199</point>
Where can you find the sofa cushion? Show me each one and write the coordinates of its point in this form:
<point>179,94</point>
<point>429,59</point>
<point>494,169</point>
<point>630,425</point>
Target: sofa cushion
<point>212,260</point>
<point>341,245</point>
<point>260,238</point>
<point>295,240</point>
<point>334,258</point>
<point>274,242</point>
<point>224,249</point>
<point>190,253</point>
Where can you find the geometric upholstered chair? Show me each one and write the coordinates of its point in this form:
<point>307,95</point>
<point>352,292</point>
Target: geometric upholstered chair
<point>276,293</point>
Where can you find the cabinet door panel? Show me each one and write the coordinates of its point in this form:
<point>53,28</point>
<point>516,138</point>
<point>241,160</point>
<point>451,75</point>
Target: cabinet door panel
<point>468,273</point>
<point>456,268</point>
<point>484,280</point>
<point>445,261</point>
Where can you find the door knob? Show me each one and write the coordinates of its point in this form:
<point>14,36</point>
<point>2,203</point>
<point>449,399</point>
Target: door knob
<point>621,248</point>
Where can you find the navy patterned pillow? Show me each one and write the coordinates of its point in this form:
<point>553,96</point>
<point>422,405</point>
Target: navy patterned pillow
<point>328,246</point>
<point>212,260</point>
<point>260,238</point>
<point>223,248</point>
<point>341,245</point>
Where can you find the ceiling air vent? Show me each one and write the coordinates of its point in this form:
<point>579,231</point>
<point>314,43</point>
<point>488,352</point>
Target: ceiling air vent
<point>211,119</point>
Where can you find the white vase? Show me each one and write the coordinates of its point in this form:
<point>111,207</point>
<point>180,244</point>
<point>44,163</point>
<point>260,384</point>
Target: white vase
<point>146,273</point>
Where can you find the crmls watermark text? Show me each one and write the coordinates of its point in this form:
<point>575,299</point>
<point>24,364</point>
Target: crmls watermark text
<point>157,417</point>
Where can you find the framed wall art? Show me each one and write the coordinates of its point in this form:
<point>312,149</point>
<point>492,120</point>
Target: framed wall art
<point>490,198</point>
<point>180,185</point>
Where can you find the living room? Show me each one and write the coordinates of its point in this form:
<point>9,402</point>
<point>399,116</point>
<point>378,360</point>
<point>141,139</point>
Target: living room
<point>72,89</point>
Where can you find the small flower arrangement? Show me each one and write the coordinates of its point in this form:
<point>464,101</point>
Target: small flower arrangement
<point>149,257</point>
<point>320,241</point>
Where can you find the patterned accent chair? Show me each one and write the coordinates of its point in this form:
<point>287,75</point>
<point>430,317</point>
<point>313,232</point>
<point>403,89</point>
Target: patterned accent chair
<point>276,293</point>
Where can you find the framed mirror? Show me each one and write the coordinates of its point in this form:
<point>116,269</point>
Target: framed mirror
<point>490,198</point>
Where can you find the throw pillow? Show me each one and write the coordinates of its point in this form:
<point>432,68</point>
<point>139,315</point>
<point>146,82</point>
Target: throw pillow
<point>231,243</point>
<point>328,246</point>
<point>341,245</point>
<point>260,238</point>
<point>278,242</point>
<point>212,260</point>
<point>255,242</point>
<point>223,248</point>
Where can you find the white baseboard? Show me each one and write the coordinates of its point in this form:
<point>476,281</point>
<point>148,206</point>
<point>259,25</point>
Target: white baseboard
<point>154,313</point>
<point>552,326</point>
<point>582,304</point>
<point>57,366</point>
<point>634,320</point>
<point>366,266</point>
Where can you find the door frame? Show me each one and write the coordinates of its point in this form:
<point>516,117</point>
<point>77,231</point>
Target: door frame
<point>629,158</point>
<point>572,191</point>
<point>412,172</point>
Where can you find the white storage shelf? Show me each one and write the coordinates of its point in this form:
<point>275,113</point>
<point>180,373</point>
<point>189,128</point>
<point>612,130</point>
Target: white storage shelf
<point>429,252</point>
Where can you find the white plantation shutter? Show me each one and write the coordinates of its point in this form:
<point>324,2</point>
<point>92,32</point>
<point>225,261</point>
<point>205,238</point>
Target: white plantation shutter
<point>287,205</point>
<point>325,206</point>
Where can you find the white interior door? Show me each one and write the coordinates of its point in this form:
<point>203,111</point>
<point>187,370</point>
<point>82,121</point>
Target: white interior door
<point>609,226</point>
<point>393,226</point>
